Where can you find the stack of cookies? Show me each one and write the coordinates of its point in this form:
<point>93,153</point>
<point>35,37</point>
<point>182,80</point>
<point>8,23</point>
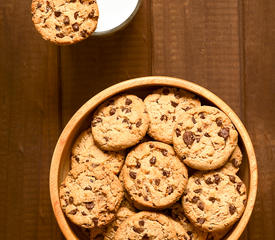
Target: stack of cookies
<point>65,21</point>
<point>159,168</point>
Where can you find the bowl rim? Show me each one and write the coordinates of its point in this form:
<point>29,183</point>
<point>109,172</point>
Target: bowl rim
<point>90,105</point>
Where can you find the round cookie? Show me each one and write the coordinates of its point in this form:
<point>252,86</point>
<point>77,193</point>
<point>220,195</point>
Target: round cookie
<point>85,151</point>
<point>145,226</point>
<point>234,162</point>
<point>214,201</point>
<point>178,215</point>
<point>164,107</point>
<point>126,210</point>
<point>204,138</point>
<point>153,175</point>
<point>90,196</point>
<point>65,22</point>
<point>119,123</point>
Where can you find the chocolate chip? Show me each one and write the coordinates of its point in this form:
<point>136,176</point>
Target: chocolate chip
<point>219,122</point>
<point>141,223</point>
<point>39,5</point>
<point>195,199</point>
<point>232,178</point>
<point>153,160</point>
<point>224,133</point>
<point>157,181</point>
<point>198,181</point>
<point>71,200</point>
<point>91,14</point>
<point>57,13</point>
<point>75,27</point>
<point>112,111</point>
<point>138,230</point>
<point>106,139</point>
<point>73,212</point>
<point>201,220</point>
<point>164,152</point>
<point>76,15</point>
<point>201,206</point>
<point>174,118</point>
<point>139,123</point>
<point>178,132</point>
<point>189,233</point>
<point>146,198</point>
<point>174,104</point>
<point>208,181</point>
<point>244,202</point>
<point>232,209</point>
<point>165,91</point>
<point>145,237</point>
<point>239,184</point>
<point>163,117</point>
<point>83,33</point>
<point>133,175</point>
<point>138,181</point>
<point>83,213</point>
<point>96,121</point>
<point>201,114</point>
<point>194,120</point>
<point>206,135</point>
<point>235,163</point>
<point>58,28</point>
<point>212,199</point>
<point>183,158</point>
<point>60,35</point>
<point>66,20</point>
<point>188,138</point>
<point>198,190</point>
<point>151,146</point>
<point>217,178</point>
<point>115,228</point>
<point>186,109</point>
<point>198,139</point>
<point>169,190</point>
<point>199,130</point>
<point>165,173</point>
<point>88,188</point>
<point>95,221</point>
<point>90,205</point>
<point>138,165</point>
<point>48,7</point>
<point>128,101</point>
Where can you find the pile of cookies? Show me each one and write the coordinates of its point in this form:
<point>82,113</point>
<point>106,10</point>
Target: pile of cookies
<point>159,168</point>
<point>65,21</point>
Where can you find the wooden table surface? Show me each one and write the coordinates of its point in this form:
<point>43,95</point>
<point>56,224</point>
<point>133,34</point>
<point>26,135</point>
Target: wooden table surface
<point>227,46</point>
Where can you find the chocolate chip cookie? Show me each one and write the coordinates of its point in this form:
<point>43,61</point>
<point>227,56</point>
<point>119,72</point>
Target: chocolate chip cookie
<point>90,197</point>
<point>177,214</point>
<point>126,210</point>
<point>146,226</point>
<point>119,123</point>
<point>153,175</point>
<point>85,151</point>
<point>65,21</point>
<point>214,201</point>
<point>234,162</point>
<point>164,106</point>
<point>204,137</point>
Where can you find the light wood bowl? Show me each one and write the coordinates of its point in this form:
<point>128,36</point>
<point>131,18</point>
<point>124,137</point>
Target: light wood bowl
<point>142,86</point>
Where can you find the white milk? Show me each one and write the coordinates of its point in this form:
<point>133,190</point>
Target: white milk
<point>113,13</point>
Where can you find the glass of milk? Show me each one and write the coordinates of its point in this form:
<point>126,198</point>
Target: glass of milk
<point>114,15</point>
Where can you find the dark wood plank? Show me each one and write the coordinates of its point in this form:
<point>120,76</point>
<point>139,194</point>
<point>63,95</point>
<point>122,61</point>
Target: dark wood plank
<point>259,74</point>
<point>89,67</point>
<point>199,41</point>
<point>29,125</point>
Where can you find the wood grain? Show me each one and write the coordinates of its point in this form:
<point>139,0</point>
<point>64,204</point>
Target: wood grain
<point>259,75</point>
<point>29,125</point>
<point>99,62</point>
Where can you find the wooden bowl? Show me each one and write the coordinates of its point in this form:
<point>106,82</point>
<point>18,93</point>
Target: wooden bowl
<point>142,86</point>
